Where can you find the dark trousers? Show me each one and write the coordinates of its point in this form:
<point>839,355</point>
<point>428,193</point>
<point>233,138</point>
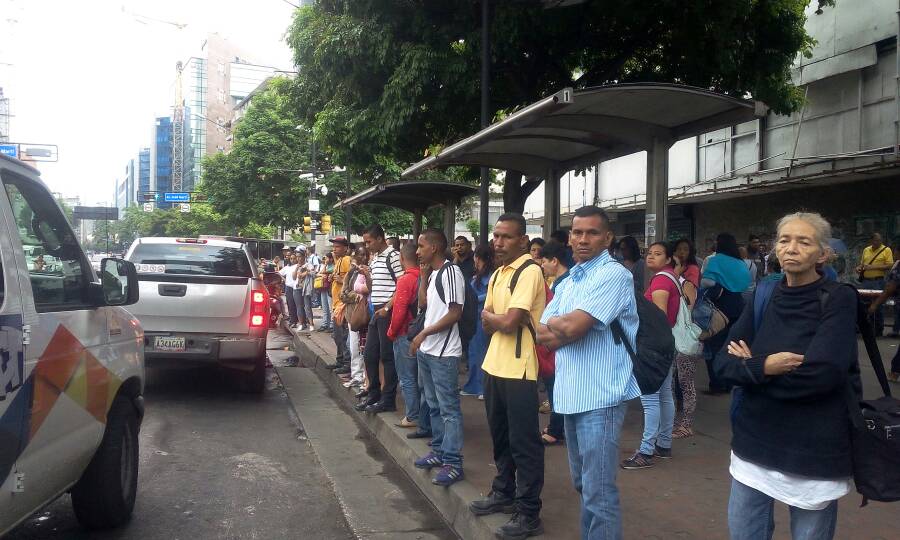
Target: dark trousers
<point>895,362</point>
<point>512,414</point>
<point>557,426</point>
<point>340,335</point>
<point>380,350</point>
<point>292,305</point>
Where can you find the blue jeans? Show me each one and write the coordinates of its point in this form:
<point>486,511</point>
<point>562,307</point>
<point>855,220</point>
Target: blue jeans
<point>592,439</point>
<point>408,371</point>
<point>325,302</point>
<point>751,516</point>
<point>440,378</point>
<point>659,418</point>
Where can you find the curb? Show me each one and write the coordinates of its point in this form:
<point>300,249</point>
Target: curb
<point>451,503</point>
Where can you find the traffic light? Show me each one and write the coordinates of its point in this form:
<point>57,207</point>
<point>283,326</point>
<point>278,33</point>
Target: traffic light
<point>325,224</point>
<point>307,224</point>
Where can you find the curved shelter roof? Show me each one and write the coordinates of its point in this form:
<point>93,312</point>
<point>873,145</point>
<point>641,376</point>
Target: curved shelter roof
<point>576,128</point>
<point>411,196</point>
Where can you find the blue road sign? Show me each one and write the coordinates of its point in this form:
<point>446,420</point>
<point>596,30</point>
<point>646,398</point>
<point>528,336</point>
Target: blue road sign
<point>177,197</point>
<point>11,150</point>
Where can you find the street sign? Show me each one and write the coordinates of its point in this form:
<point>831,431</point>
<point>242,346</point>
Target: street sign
<point>314,205</point>
<point>38,152</point>
<point>179,197</point>
<point>10,150</point>
<point>95,213</point>
<point>148,207</point>
<point>185,208</point>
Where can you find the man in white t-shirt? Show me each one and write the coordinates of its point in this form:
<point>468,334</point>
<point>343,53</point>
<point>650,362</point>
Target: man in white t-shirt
<point>290,282</point>
<point>438,351</point>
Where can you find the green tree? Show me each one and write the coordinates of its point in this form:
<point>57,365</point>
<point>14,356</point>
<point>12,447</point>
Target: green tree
<point>382,82</point>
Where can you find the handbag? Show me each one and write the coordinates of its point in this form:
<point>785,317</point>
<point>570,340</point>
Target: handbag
<point>706,314</point>
<point>319,282</point>
<point>861,275</point>
<point>686,332</point>
<point>359,315</point>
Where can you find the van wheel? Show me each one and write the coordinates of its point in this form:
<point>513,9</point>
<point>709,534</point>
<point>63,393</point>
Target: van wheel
<point>104,496</point>
<point>255,381</point>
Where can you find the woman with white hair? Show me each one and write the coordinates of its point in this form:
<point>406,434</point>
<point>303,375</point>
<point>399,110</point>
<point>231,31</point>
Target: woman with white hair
<point>795,359</point>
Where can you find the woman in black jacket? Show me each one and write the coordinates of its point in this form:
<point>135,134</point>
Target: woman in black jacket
<point>791,430</point>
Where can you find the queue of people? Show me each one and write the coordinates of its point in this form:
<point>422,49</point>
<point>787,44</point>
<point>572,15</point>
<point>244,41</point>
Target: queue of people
<point>543,314</point>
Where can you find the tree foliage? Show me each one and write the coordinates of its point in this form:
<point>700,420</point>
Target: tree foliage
<point>383,82</point>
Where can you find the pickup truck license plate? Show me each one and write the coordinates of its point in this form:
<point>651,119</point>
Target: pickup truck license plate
<point>171,344</point>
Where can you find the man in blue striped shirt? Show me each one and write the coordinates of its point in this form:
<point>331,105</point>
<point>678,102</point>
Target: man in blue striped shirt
<point>593,373</point>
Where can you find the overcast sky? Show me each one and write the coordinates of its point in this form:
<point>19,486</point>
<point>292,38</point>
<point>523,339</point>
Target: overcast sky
<point>91,76</point>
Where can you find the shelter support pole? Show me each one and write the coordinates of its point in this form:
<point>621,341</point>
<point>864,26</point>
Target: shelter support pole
<point>450,219</point>
<point>656,216</point>
<point>551,203</point>
<point>484,194</point>
<point>417,224</point>
<point>348,210</point>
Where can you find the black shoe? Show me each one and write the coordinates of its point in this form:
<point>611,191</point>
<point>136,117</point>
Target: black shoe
<point>361,394</point>
<point>664,453</point>
<point>342,370</point>
<point>363,405</point>
<point>380,407</point>
<point>419,435</point>
<point>520,527</point>
<point>334,366</point>
<point>492,504</point>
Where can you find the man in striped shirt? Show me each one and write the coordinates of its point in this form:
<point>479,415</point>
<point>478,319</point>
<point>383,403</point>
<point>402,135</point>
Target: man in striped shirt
<point>593,374</point>
<point>381,277</point>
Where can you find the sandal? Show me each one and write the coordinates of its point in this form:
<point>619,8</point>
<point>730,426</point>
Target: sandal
<point>550,440</point>
<point>682,432</point>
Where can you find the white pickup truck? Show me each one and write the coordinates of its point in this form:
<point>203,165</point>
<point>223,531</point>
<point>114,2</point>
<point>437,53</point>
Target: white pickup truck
<point>202,301</point>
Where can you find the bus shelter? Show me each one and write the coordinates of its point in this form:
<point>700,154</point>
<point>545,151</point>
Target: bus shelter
<point>575,129</point>
<point>417,198</point>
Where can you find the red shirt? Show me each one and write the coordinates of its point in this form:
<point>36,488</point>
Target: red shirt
<point>404,296</point>
<point>692,274</point>
<point>663,283</point>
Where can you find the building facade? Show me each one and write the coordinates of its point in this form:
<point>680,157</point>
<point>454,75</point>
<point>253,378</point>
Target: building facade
<point>161,160</point>
<point>143,174</point>
<point>126,188</point>
<point>215,81</point>
<point>839,155</point>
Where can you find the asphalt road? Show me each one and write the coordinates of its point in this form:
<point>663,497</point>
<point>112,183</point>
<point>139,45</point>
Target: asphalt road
<point>215,464</point>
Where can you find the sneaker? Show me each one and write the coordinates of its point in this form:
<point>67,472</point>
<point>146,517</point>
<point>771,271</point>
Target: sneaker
<point>638,461</point>
<point>664,453</point>
<point>520,527</point>
<point>493,503</point>
<point>480,397</point>
<point>448,475</point>
<point>428,461</point>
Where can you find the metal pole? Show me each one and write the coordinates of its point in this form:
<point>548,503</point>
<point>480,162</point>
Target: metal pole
<point>484,192</point>
<point>897,91</point>
<point>348,211</point>
<point>312,190</point>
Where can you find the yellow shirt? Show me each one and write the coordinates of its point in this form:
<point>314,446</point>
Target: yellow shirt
<point>341,267</point>
<point>885,257</point>
<point>530,295</point>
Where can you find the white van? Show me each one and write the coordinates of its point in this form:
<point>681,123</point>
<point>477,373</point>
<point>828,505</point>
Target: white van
<point>71,365</point>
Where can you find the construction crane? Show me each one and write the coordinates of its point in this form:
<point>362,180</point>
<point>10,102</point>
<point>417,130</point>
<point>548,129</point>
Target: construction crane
<point>178,134</point>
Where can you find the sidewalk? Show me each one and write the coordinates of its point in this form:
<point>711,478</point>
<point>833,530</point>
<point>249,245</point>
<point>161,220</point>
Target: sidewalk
<point>685,497</point>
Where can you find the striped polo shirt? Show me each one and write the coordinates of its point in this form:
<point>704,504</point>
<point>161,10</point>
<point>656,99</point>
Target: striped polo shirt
<point>594,372</point>
<point>383,284</point>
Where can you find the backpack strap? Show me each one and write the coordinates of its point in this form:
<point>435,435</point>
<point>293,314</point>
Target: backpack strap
<point>387,262</point>
<point>621,339</point>
<point>439,287</point>
<point>512,287</point>
<point>674,280</point>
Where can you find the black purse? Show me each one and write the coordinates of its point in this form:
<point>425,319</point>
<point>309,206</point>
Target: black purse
<point>416,325</point>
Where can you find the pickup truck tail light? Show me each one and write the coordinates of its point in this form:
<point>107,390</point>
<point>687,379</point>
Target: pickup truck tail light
<point>259,309</point>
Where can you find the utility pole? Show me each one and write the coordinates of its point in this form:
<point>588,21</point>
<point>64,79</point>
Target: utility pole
<point>484,191</point>
<point>178,134</point>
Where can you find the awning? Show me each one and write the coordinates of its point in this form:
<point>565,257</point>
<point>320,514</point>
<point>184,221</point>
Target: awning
<point>573,129</point>
<point>411,196</point>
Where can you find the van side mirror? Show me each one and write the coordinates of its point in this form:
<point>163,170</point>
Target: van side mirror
<point>118,279</point>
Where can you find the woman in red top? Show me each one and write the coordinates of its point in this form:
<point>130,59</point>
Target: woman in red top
<point>403,307</point>
<point>687,267</point>
<point>659,408</point>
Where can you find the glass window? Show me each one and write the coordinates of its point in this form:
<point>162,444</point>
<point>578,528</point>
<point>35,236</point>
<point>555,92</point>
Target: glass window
<point>59,274</point>
<point>194,259</point>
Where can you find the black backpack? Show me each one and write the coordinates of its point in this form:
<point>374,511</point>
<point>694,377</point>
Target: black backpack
<point>655,345</point>
<point>469,319</point>
<point>512,287</point>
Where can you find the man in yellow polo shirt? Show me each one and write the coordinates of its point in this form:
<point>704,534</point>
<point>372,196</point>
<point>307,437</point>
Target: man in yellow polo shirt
<point>512,310</point>
<point>874,264</point>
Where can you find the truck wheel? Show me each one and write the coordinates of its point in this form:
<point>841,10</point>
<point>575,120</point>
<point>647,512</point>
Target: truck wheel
<point>104,496</point>
<point>255,381</point>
